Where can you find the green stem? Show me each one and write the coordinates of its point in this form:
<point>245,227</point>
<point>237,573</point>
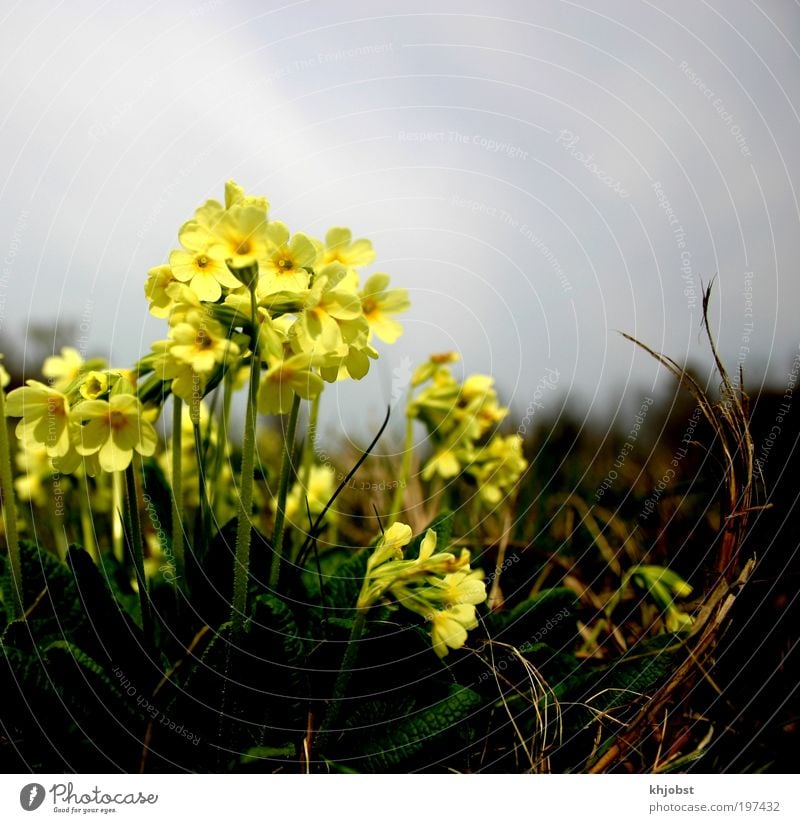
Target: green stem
<point>345,673</point>
<point>137,550</point>
<point>405,470</point>
<point>241,568</point>
<point>117,536</point>
<point>203,522</point>
<point>308,447</point>
<point>222,435</point>
<point>10,514</point>
<point>177,492</point>
<point>283,491</point>
<point>87,527</point>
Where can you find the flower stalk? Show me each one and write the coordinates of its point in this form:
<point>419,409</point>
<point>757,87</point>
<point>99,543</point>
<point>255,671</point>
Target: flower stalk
<point>177,492</point>
<point>283,490</point>
<point>10,515</point>
<point>241,569</point>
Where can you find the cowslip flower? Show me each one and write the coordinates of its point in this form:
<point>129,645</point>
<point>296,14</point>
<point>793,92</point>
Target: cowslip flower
<point>497,467</point>
<point>438,586</point>
<point>5,379</point>
<point>201,263</point>
<point>200,342</point>
<point>282,380</point>
<point>378,302</point>
<point>341,248</point>
<point>62,369</point>
<point>241,234</point>
<point>449,627</point>
<point>159,279</point>
<point>94,385</point>
<point>113,429</point>
<point>283,267</point>
<point>330,314</point>
<point>45,416</point>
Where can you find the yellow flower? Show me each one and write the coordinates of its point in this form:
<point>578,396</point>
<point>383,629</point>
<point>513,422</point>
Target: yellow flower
<point>449,627</point>
<point>235,196</point>
<point>286,378</point>
<point>202,263</point>
<point>497,467</point>
<point>45,416</point>
<point>200,342</point>
<point>283,268</point>
<point>378,303</point>
<point>33,462</point>
<point>94,385</point>
<point>241,234</point>
<point>319,491</point>
<point>445,462</point>
<point>329,314</point>
<point>463,586</point>
<point>4,377</point>
<point>159,278</point>
<point>341,248</point>
<point>114,429</point>
<point>62,369</point>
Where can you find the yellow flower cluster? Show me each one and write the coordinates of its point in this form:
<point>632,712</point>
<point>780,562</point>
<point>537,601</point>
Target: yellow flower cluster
<point>312,320</point>
<point>462,418</point>
<point>87,417</point>
<point>439,586</point>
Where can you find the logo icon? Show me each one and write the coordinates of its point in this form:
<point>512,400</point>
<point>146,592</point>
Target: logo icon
<point>31,796</point>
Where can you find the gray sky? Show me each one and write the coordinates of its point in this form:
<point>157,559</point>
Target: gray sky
<point>537,174</point>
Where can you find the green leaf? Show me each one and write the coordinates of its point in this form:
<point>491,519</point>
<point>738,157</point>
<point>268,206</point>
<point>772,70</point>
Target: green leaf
<point>547,617</point>
<point>392,732</point>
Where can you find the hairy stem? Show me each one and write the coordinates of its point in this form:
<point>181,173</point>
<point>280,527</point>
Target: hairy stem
<point>283,491</point>
<point>137,550</point>
<point>241,568</point>
<point>177,491</point>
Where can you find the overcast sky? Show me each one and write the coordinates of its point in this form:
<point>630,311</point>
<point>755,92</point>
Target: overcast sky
<point>537,174</point>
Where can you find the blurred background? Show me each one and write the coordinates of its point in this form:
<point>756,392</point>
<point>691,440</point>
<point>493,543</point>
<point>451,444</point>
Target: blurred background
<point>539,176</point>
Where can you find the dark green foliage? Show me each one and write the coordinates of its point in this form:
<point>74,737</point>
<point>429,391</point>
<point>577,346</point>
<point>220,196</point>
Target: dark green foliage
<point>387,734</point>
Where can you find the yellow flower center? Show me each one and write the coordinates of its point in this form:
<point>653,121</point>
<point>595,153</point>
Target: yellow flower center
<point>369,306</point>
<point>282,374</point>
<point>286,264</point>
<point>202,261</point>
<point>203,340</point>
<point>244,246</point>
<point>55,407</point>
<point>117,420</point>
